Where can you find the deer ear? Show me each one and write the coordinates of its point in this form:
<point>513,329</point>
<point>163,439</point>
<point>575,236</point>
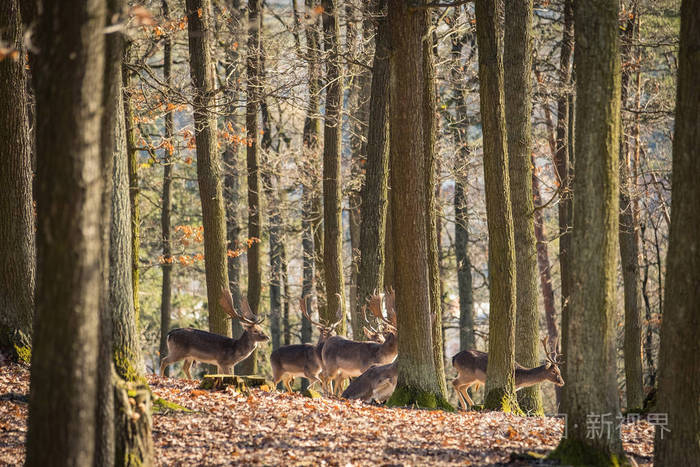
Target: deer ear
<point>549,365</point>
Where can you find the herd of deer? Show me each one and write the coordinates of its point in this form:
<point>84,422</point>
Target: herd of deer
<point>334,358</point>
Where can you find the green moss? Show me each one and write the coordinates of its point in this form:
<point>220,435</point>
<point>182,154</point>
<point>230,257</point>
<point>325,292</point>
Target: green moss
<point>125,367</point>
<point>406,396</point>
<point>575,452</point>
<point>501,400</point>
<point>530,401</point>
<point>311,393</point>
<point>24,353</point>
<point>163,406</point>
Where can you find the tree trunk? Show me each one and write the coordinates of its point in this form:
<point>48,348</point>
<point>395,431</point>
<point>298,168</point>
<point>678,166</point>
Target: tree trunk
<point>312,131</point>
<point>544,265</point>
<point>126,343</point>
<point>564,172</point>
<point>374,191</point>
<point>460,138</point>
<point>517,58</point>
<point>209,174</point>
<point>500,379</point>
<point>332,196</point>
<point>133,168</point>
<point>629,246</point>
<point>431,205</point>
<point>679,356</point>
<point>68,83</point>
<point>111,145</point>
<point>589,350</point>
<point>166,263</point>
<point>418,381</point>
<point>18,257</point>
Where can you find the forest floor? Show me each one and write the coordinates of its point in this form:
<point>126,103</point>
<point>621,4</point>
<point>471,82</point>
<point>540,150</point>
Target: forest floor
<point>273,428</point>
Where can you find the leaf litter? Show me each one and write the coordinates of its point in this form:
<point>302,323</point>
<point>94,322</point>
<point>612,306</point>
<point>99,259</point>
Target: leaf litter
<point>275,428</point>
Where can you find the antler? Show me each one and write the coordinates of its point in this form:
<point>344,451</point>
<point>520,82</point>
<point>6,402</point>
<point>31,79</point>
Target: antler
<point>323,327</point>
<point>390,300</point>
<point>375,306</point>
<point>551,353</point>
<point>226,302</point>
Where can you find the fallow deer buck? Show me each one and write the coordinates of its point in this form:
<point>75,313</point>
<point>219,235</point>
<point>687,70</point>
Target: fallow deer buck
<point>471,370</point>
<point>344,358</point>
<point>304,360</point>
<point>376,384</point>
<point>195,345</point>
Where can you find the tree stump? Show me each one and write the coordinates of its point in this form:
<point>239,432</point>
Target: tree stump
<point>133,422</point>
<point>239,383</point>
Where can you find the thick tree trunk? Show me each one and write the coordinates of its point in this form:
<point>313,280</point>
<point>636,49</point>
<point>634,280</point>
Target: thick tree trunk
<point>375,189</point>
<point>126,342</point>
<point>500,380</point>
<point>431,205</point>
<point>134,443</point>
<point>679,357</point>
<point>69,83</point>
<point>209,174</point>
<point>517,58</point>
<point>166,264</point>
<point>18,257</point>
<point>629,247</point>
<point>589,350</point>
<point>112,147</point>
<point>417,376</point>
<point>332,196</point>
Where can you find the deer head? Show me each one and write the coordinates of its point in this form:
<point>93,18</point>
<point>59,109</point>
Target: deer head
<point>553,362</point>
<point>250,322</point>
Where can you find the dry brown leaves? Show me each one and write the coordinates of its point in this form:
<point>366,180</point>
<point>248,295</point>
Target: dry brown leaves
<point>275,428</point>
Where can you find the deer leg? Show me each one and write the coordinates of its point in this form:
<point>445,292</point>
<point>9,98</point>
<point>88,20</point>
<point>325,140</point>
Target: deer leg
<point>465,388</point>
<point>186,368</point>
<point>338,384</point>
<point>287,383</point>
<point>460,399</point>
<point>311,375</point>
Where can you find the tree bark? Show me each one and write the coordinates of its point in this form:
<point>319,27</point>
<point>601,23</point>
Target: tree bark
<point>589,350</point>
<point>629,246</point>
<point>431,205</point>
<point>133,167</point>
<point>375,189</point>
<point>332,196</point>
<point>417,376</point>
<point>517,58</point>
<point>312,132</point>
<point>500,379</point>
<point>68,83</point>
<point>564,172</point>
<point>679,356</point>
<point>126,343</point>
<point>459,133</point>
<point>18,256</point>
<point>209,175</point>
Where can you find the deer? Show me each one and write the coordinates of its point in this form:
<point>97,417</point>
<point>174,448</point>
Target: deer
<point>471,371</point>
<point>303,360</point>
<point>345,358</point>
<point>194,344</point>
<point>375,384</point>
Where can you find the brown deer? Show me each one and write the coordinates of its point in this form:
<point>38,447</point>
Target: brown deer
<point>344,358</point>
<point>375,384</point>
<point>202,346</point>
<point>471,370</point>
<point>303,360</point>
